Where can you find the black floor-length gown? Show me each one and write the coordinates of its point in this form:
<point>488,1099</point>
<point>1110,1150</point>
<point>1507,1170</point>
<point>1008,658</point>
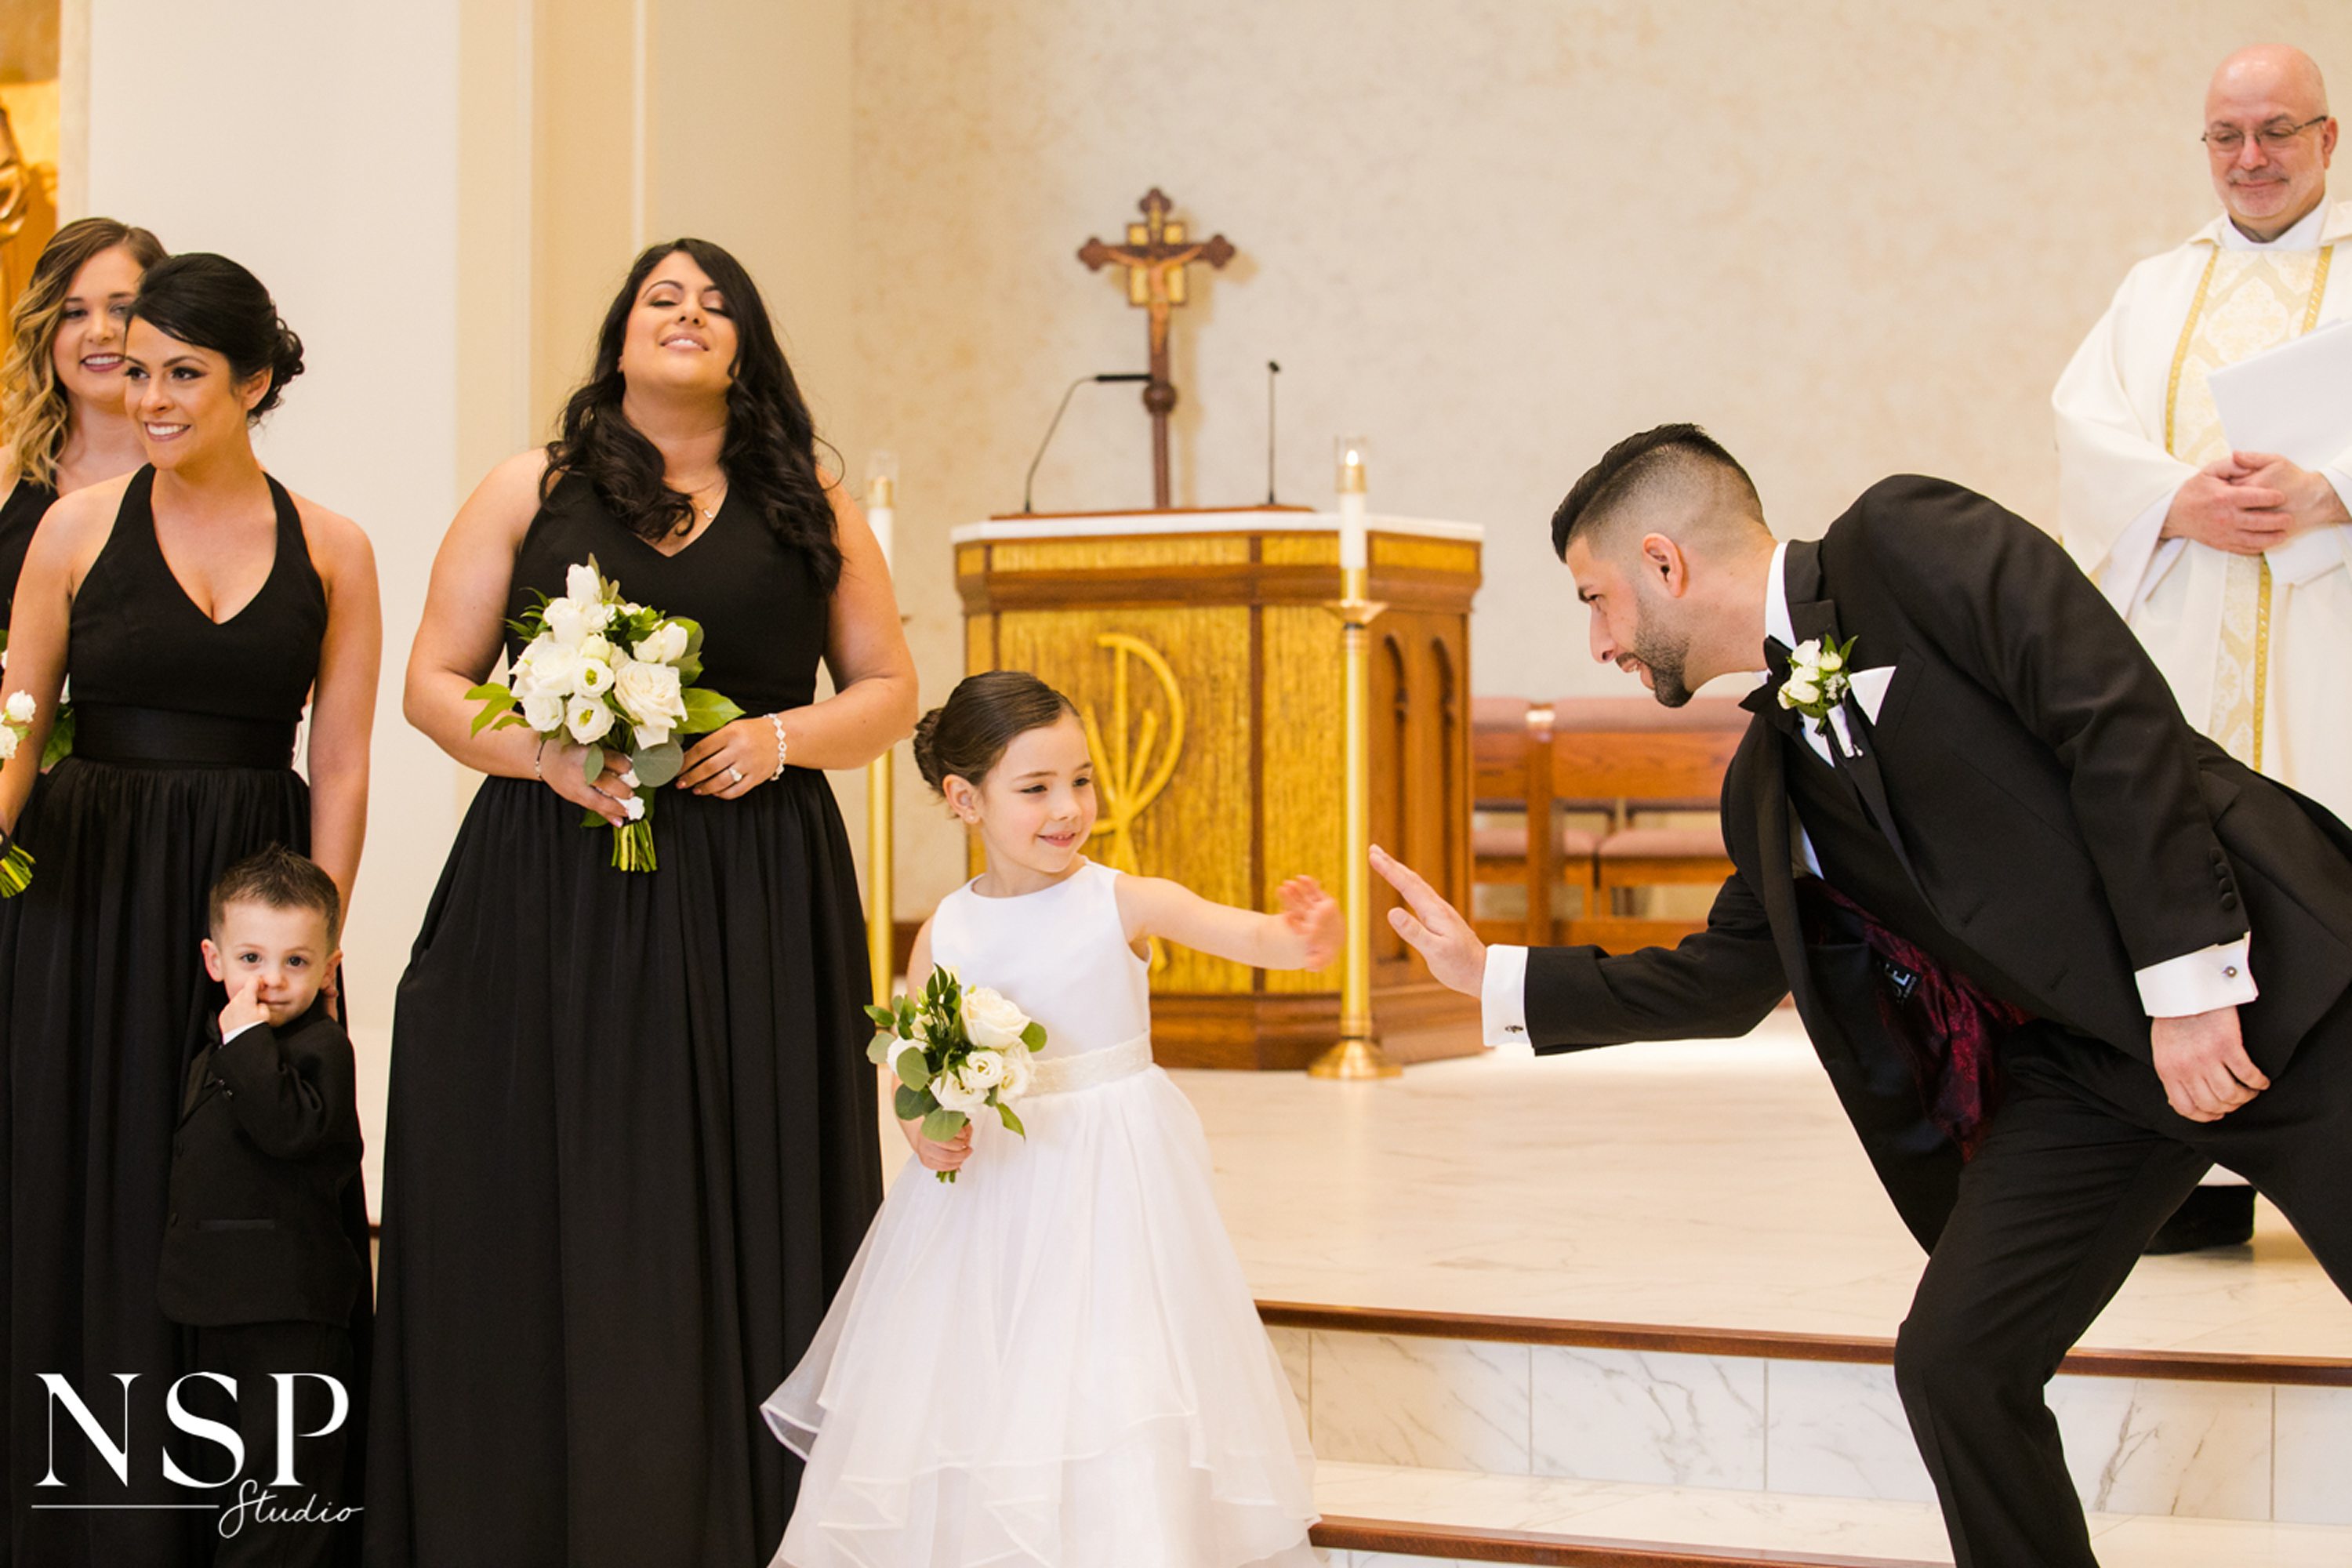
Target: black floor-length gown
<point>631,1147</point>
<point>182,766</point>
<point>20,515</point>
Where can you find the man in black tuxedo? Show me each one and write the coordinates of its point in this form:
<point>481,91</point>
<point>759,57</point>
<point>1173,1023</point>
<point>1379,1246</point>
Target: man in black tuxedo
<point>2058,953</point>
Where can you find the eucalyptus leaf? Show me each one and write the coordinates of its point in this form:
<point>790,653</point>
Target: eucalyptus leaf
<point>911,1105</point>
<point>942,1125</point>
<point>913,1070</point>
<point>877,1049</point>
<point>592,762</point>
<point>656,765</point>
<point>1034,1037</point>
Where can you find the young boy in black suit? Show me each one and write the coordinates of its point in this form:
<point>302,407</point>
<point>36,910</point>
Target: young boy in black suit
<point>256,1260</point>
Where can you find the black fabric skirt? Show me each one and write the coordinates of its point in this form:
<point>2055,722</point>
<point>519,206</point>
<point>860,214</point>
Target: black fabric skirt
<point>631,1152</point>
<point>103,999</point>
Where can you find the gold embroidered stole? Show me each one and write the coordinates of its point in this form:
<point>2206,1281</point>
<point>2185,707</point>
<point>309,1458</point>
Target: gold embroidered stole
<point>2247,301</point>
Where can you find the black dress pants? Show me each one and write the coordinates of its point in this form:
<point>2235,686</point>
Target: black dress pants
<point>2084,1160</point>
<point>314,1523</point>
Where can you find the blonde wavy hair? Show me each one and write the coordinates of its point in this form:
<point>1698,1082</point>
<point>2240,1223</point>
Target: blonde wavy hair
<point>33,409</point>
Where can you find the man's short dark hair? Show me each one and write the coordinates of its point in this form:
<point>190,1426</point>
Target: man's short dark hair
<point>276,879</point>
<point>1633,465</point>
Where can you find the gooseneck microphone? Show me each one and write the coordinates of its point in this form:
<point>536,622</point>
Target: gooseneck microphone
<point>1271,370</point>
<point>1029,482</point>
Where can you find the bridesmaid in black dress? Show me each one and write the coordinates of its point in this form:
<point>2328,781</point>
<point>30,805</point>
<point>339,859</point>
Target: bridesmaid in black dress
<point>62,423</point>
<point>197,605</point>
<point>631,1146</point>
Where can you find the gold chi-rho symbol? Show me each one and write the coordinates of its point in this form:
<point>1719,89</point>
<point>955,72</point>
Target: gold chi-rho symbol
<point>1128,777</point>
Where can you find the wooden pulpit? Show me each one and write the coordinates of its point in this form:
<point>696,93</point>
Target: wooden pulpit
<point>1200,653</point>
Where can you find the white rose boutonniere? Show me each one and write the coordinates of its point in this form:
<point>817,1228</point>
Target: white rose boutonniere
<point>1817,680</point>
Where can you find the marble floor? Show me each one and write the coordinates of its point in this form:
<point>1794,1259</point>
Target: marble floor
<point>1707,1184</point>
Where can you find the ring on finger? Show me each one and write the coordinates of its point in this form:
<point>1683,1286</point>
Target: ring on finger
<point>736,773</point>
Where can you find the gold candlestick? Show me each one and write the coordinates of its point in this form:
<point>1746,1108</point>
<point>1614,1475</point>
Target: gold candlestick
<point>1357,1055</point>
<point>881,930</point>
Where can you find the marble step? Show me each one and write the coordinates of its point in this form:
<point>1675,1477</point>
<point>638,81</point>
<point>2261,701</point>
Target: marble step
<point>2229,1440</point>
<point>1387,1516</point>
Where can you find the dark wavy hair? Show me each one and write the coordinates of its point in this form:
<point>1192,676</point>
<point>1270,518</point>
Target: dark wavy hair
<point>214,303</point>
<point>770,453</point>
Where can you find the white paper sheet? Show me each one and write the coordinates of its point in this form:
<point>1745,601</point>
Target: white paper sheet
<point>2294,400</point>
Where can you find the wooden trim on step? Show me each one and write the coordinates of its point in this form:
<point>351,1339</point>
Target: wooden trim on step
<point>1469,1546</point>
<point>2192,1366</point>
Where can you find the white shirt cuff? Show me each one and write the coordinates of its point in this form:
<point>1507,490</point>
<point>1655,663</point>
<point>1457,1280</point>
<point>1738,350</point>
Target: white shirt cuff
<point>1502,998</point>
<point>2219,976</point>
<point>2343,483</point>
<point>2139,557</point>
<point>242,1028</point>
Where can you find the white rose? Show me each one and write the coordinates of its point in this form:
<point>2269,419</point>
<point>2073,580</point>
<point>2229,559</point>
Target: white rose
<point>580,586</point>
<point>594,679</point>
<point>1020,1072</point>
<point>1800,693</point>
<point>1830,662</point>
<point>666,644</point>
<point>595,646</point>
<point>991,1021</point>
<point>567,623</point>
<point>650,694</point>
<point>543,711</point>
<point>587,718</point>
<point>20,708</point>
<point>982,1070</point>
<point>548,665</point>
<point>956,1095</point>
<point>7,742</point>
<point>1806,652</point>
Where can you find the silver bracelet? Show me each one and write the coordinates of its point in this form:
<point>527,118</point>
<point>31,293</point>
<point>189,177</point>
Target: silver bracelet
<point>778,721</point>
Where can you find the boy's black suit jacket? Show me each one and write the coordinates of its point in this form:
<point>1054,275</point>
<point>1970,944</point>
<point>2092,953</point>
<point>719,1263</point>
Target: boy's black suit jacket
<point>267,1143</point>
<point>2048,801</point>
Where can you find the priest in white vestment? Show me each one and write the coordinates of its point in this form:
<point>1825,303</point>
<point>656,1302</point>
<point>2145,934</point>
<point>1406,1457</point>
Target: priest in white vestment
<point>2235,568</point>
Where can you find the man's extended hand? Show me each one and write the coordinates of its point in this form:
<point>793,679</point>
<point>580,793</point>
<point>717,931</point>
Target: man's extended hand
<point>1435,928</point>
<point>2203,1063</point>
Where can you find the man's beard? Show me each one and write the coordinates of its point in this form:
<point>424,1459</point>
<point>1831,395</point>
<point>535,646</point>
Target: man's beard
<point>1664,658</point>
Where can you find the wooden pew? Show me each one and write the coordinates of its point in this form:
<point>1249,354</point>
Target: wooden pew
<point>1630,756</point>
<point>1511,764</point>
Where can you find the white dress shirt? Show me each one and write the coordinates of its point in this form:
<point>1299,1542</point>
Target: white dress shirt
<point>2218,977</point>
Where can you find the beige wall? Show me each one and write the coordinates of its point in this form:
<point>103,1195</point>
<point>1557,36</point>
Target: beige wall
<point>1496,235</point>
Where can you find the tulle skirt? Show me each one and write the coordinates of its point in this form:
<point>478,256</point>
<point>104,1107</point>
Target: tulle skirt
<point>1053,1360</point>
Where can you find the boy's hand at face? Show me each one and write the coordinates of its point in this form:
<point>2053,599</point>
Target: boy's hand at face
<point>243,1008</point>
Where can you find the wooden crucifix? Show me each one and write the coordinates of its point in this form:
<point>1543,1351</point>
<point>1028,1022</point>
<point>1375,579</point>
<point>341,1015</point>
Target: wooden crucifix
<point>1155,256</point>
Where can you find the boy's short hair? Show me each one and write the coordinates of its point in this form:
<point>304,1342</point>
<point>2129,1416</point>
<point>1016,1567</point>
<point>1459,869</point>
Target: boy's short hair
<point>280,880</point>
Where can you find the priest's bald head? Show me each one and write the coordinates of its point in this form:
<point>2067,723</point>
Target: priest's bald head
<point>2269,137</point>
<point>1665,538</point>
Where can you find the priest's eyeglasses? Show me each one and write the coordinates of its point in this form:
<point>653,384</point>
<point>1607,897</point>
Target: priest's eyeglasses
<point>2229,141</point>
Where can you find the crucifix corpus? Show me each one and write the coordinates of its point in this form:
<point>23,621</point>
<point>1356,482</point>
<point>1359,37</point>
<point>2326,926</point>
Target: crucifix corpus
<point>1155,256</point>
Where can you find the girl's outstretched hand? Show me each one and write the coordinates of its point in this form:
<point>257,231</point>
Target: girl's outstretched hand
<point>1312,916</point>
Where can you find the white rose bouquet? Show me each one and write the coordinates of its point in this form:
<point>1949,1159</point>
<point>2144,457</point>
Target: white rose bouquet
<point>15,724</point>
<point>613,676</point>
<point>59,745</point>
<point>957,1052</point>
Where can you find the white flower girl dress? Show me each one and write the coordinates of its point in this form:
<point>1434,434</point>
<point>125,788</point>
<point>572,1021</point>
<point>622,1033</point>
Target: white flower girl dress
<point>1054,1360</point>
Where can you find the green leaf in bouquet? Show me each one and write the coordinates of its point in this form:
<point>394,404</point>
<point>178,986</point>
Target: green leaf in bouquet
<point>942,1125</point>
<point>1012,1123</point>
<point>497,701</point>
<point>706,710</point>
<point>1034,1037</point>
<point>591,819</point>
<point>912,1104</point>
<point>877,1049</point>
<point>693,634</point>
<point>61,742</point>
<point>913,1070</point>
<point>592,762</point>
<point>690,671</point>
<point>907,1015</point>
<point>656,765</point>
<point>884,1019</point>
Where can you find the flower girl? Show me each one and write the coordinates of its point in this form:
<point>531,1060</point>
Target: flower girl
<point>1054,1360</point>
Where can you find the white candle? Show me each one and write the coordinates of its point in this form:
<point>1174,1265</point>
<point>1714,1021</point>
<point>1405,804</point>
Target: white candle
<point>881,501</point>
<point>1355,533</point>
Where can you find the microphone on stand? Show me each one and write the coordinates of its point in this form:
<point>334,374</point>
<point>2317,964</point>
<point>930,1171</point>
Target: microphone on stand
<point>1271,370</point>
<point>1030,481</point>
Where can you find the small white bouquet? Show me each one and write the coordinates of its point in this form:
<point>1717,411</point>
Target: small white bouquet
<point>15,724</point>
<point>957,1052</point>
<point>1817,682</point>
<point>613,676</point>
<point>59,745</point>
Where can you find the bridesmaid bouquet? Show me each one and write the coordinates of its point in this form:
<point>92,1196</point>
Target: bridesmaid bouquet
<point>957,1052</point>
<point>61,729</point>
<point>614,676</point>
<point>16,723</point>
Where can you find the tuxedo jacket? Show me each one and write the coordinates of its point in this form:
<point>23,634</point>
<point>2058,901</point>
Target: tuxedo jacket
<point>268,1142</point>
<point>2032,772</point>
